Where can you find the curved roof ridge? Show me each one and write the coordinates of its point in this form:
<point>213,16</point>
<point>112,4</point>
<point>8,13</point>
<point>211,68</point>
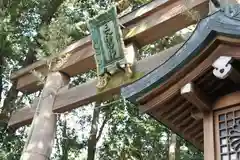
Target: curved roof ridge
<point>223,22</point>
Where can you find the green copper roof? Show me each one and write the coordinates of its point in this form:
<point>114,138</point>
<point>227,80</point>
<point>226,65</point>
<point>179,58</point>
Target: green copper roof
<point>224,22</point>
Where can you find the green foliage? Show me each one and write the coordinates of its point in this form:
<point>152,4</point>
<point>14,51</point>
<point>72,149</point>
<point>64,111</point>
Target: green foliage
<point>133,136</point>
<point>31,29</point>
<point>11,145</point>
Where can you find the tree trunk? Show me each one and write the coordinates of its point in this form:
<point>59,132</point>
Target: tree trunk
<point>65,141</point>
<point>31,56</point>
<point>167,146</point>
<point>174,148</point>
<point>10,99</point>
<point>41,135</point>
<point>92,140</point>
<point>12,94</point>
<point>1,77</point>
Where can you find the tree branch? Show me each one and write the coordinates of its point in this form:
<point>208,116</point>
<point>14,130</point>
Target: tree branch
<point>92,139</point>
<point>31,55</point>
<point>102,127</point>
<point>49,14</point>
<point>1,77</point>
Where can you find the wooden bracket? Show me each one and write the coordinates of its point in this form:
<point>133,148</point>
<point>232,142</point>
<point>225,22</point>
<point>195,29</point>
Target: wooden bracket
<point>194,95</point>
<point>223,69</point>
<point>196,114</point>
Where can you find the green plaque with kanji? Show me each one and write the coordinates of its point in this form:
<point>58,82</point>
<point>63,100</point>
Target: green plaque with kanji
<point>107,41</point>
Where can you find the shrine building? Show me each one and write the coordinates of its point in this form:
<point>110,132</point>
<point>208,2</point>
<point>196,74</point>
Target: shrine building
<point>195,91</point>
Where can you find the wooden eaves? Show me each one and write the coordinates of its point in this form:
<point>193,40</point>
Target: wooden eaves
<point>162,92</point>
<point>142,26</point>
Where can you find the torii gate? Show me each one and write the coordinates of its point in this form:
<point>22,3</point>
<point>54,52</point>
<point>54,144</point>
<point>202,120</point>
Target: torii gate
<point>172,88</point>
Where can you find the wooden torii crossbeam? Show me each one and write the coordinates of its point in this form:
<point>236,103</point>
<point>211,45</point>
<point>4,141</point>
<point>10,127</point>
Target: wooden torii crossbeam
<point>144,25</point>
<point>192,88</point>
<point>68,99</point>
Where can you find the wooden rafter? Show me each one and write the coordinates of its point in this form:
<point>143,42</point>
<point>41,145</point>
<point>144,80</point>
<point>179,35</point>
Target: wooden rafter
<point>166,108</point>
<point>176,111</point>
<point>196,114</point>
<point>143,26</point>
<point>166,95</point>
<point>190,127</point>
<point>171,105</point>
<point>198,128</point>
<point>185,121</point>
<point>181,118</point>
<point>195,96</point>
<point>202,38</point>
<point>198,135</point>
<point>178,130</point>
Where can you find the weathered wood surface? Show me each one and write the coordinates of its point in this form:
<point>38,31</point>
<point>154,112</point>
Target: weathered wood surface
<point>222,23</point>
<point>41,134</point>
<point>208,128</point>
<point>196,114</point>
<point>195,96</point>
<point>176,129</point>
<point>224,105</point>
<point>143,26</point>
<point>168,93</point>
<point>87,93</point>
<point>227,101</point>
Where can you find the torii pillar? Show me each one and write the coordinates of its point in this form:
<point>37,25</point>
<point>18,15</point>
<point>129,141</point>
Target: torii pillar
<point>41,135</point>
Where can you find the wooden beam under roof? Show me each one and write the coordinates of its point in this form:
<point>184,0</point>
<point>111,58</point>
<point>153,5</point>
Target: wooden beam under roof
<point>195,96</point>
<point>165,95</point>
<point>196,114</point>
<point>169,89</point>
<point>143,26</point>
<point>223,69</point>
<point>86,93</point>
<point>178,131</point>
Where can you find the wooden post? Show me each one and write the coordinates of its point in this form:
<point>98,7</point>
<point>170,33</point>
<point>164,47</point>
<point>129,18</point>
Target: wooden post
<point>41,135</point>
<point>208,127</point>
